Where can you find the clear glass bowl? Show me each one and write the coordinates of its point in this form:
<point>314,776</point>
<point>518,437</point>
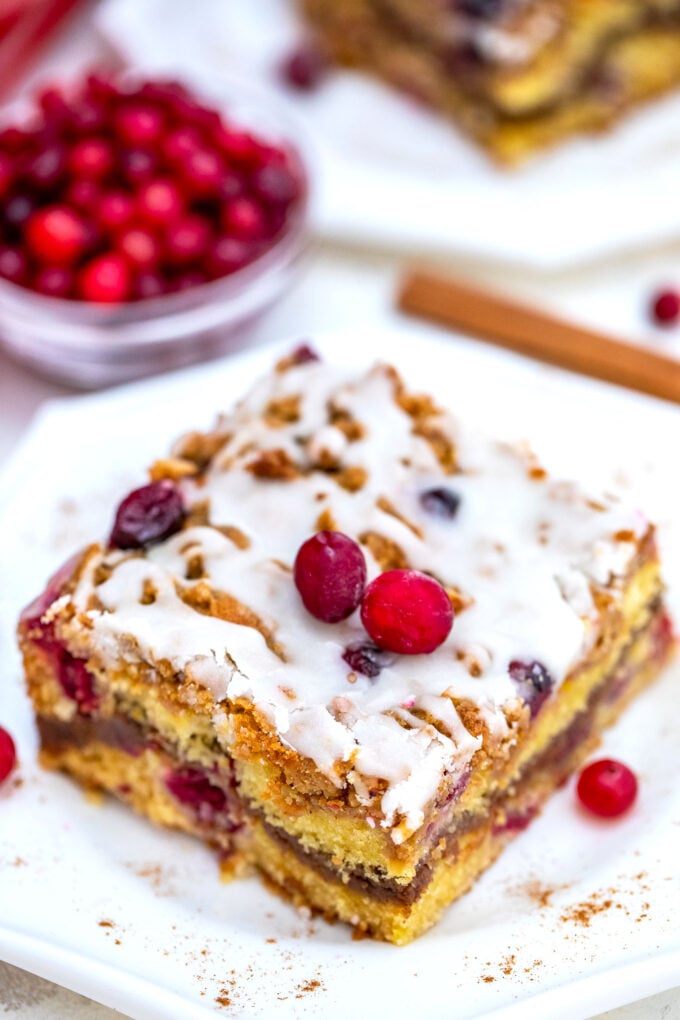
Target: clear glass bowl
<point>89,345</point>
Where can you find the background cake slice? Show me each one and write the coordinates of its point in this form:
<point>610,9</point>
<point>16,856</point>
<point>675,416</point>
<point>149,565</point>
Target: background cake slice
<point>177,667</point>
<point>516,75</point>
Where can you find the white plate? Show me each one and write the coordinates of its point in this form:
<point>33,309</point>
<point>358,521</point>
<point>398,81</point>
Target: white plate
<point>175,939</point>
<point>393,174</point>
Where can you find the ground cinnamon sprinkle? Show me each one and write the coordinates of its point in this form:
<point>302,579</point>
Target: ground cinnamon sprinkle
<point>308,986</point>
<point>582,913</point>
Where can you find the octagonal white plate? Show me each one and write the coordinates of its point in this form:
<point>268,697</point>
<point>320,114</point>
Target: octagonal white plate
<point>392,174</point>
<point>578,915</point>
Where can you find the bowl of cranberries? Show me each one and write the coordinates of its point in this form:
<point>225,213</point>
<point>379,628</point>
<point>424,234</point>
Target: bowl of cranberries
<point>144,223</point>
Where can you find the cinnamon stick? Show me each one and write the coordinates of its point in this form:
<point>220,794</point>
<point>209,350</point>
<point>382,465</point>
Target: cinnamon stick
<point>500,320</point>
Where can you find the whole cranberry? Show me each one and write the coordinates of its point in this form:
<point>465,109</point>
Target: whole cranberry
<point>83,193</point>
<point>178,144</point>
<point>227,255</point>
<point>187,240</point>
<point>244,219</point>
<point>13,265</point>
<point>607,788</point>
<point>189,280</point>
<point>54,281</point>
<point>105,279</point>
<point>201,173</point>
<point>160,202</point>
<point>137,166</point>
<point>276,184</point>
<point>149,284</point>
<point>139,124</point>
<point>45,171</point>
<point>139,247</point>
<point>8,754</point>
<point>56,235</point>
<point>330,575</point>
<point>366,658</point>
<point>17,210</point>
<point>86,117</point>
<point>665,307</point>
<point>91,158</point>
<point>6,174</point>
<point>149,514</point>
<point>115,210</point>
<point>406,612</point>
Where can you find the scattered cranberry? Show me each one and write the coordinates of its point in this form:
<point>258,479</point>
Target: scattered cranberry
<point>303,354</point>
<point>305,68</point>
<point>665,307</point>
<point>106,280</point>
<point>56,235</point>
<point>534,683</point>
<point>330,574</point>
<point>149,514</point>
<point>440,502</point>
<point>607,788</point>
<point>8,754</point>
<point>406,612</point>
<point>366,658</point>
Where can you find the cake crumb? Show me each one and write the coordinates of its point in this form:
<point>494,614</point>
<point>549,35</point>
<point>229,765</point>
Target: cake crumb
<point>488,978</point>
<point>106,924</point>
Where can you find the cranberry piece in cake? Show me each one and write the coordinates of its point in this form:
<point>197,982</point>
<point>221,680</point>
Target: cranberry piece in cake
<point>8,754</point>
<point>149,514</point>
<point>534,683</point>
<point>330,574</point>
<point>607,788</point>
<point>407,612</point>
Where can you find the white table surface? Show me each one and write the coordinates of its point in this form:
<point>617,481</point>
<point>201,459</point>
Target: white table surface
<point>338,288</point>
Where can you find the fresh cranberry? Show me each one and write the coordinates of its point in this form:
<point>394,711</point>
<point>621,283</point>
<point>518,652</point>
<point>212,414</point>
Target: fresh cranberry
<point>232,186</point>
<point>665,308</point>
<point>226,255</point>
<point>6,174</point>
<point>45,171</point>
<point>407,612</point>
<point>238,146</point>
<point>13,139</point>
<point>534,683</point>
<point>187,240</point>
<point>276,184</point>
<point>54,281</point>
<point>330,575</point>
<point>106,279</point>
<point>92,158</point>
<point>137,167</point>
<point>149,514</point>
<point>139,124</point>
<point>86,118</point>
<point>189,280</point>
<point>160,202</point>
<point>13,265</point>
<point>366,658</point>
<point>83,193</point>
<point>115,210</point>
<point>101,88</point>
<point>607,788</point>
<point>139,247</point>
<point>149,285</point>
<point>440,502</point>
<point>56,234</point>
<point>202,173</point>
<point>243,218</point>
<point>180,143</point>
<point>305,68</point>
<point>52,102</point>
<point>8,754</point>
<point>17,211</point>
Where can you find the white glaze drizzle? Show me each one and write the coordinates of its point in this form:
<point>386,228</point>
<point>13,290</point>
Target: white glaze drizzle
<point>524,550</point>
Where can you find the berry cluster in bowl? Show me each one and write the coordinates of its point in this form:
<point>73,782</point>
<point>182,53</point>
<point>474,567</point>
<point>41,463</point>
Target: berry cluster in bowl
<point>118,192</point>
